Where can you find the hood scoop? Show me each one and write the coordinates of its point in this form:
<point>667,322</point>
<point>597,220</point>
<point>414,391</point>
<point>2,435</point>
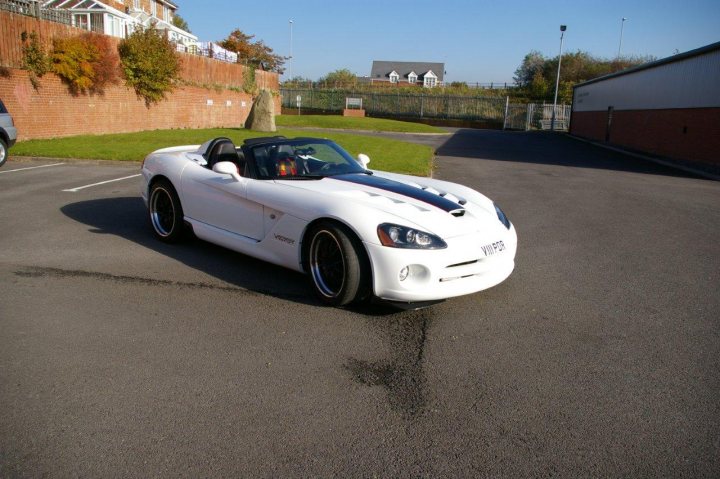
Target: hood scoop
<point>448,203</point>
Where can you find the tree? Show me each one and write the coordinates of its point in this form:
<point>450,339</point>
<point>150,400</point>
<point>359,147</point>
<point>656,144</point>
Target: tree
<point>150,63</point>
<point>342,78</point>
<point>537,74</point>
<point>528,69</point>
<point>253,54</point>
<point>298,81</point>
<point>180,22</point>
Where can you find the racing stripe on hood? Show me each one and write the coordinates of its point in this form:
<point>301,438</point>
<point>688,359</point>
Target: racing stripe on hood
<point>401,189</point>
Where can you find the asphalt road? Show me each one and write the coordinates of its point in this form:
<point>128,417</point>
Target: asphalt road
<point>599,356</point>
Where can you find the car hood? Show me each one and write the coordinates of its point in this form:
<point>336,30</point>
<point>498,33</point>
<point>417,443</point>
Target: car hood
<point>427,204</point>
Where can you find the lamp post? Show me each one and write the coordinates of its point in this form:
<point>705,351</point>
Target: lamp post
<point>622,25</point>
<point>557,80</point>
<point>291,53</point>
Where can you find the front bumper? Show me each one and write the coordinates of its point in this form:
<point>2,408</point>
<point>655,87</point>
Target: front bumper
<point>464,267</point>
<point>11,134</point>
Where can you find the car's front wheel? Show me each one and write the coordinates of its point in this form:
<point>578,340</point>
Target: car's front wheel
<point>166,214</point>
<point>337,264</point>
<point>3,152</point>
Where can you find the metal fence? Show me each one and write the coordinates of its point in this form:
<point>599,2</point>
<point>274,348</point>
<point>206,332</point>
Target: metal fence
<point>446,107</point>
<point>537,116</point>
<point>34,8</point>
<point>400,105</point>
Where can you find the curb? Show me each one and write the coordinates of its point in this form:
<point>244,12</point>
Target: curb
<point>348,130</point>
<point>28,159</point>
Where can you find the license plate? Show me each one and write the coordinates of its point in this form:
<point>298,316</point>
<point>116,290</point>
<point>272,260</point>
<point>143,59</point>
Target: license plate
<point>493,248</point>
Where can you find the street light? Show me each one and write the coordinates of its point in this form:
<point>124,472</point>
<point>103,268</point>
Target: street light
<point>557,80</point>
<point>291,55</point>
<point>622,24</point>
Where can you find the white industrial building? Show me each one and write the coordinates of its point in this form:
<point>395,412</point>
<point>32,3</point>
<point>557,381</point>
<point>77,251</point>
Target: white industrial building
<point>668,108</point>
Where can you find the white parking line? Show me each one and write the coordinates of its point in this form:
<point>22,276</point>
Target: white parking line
<point>30,168</point>
<point>73,190</point>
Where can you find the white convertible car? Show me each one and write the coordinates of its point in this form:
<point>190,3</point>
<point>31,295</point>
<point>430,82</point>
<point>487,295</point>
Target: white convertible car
<point>307,205</point>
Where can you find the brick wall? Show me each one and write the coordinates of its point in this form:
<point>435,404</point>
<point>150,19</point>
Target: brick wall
<point>691,134</point>
<point>52,111</point>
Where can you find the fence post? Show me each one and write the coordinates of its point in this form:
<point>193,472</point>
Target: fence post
<point>528,115</point>
<point>507,105</point>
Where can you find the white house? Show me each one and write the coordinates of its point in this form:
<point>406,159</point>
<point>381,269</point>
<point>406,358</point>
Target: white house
<point>425,74</point>
<point>119,18</point>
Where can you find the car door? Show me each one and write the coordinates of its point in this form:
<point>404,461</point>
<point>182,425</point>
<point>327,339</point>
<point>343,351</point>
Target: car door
<point>221,201</point>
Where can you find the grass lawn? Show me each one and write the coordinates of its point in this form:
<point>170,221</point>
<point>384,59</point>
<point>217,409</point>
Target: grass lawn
<point>349,123</point>
<point>385,153</point>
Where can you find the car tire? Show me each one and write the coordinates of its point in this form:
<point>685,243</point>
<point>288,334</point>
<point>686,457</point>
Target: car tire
<point>165,212</point>
<point>337,263</point>
<point>3,152</point>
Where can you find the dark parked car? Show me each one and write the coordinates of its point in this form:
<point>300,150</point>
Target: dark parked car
<point>8,133</point>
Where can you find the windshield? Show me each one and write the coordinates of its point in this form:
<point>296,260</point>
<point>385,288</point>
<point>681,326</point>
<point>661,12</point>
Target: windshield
<point>303,159</point>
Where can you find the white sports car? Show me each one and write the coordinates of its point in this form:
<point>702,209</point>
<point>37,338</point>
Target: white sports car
<point>307,205</point>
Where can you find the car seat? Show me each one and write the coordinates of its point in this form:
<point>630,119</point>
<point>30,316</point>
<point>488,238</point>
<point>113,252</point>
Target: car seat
<point>223,149</point>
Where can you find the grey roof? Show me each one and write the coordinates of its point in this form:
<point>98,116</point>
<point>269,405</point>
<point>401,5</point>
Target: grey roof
<point>382,69</point>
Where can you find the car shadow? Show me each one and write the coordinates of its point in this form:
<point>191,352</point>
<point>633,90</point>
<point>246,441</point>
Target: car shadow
<point>127,217</point>
<point>402,374</point>
<point>547,148</point>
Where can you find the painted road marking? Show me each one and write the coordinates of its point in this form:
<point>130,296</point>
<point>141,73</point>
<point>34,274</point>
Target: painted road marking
<point>30,168</point>
<point>73,190</point>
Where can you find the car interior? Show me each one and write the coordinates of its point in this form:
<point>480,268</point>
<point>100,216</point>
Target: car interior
<point>223,149</point>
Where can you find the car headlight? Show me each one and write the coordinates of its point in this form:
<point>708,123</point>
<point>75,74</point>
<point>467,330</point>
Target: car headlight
<point>396,236</point>
<point>502,217</point>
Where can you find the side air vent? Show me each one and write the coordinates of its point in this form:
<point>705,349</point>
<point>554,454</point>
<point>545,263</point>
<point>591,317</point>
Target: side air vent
<point>458,212</point>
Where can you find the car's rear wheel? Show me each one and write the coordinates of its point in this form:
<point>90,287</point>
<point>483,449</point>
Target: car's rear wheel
<point>3,152</point>
<point>166,214</point>
<point>337,264</point>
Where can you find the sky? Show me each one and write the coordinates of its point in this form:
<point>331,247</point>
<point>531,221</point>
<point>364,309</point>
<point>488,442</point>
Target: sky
<point>478,41</point>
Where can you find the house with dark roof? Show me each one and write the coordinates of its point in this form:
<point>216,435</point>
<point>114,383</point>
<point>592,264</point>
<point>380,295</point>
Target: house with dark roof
<point>427,74</point>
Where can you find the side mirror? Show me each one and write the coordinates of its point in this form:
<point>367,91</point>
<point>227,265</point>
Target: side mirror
<point>197,158</point>
<point>226,168</point>
<point>363,159</point>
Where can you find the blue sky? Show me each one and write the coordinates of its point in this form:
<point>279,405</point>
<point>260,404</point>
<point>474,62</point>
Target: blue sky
<point>479,41</point>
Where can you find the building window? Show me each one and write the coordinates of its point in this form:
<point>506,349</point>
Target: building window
<point>429,80</point>
<point>412,78</point>
<point>82,20</point>
<point>136,4</point>
<point>166,13</point>
<point>394,77</point>
<point>153,8</point>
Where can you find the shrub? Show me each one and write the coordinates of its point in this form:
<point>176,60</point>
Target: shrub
<point>35,60</point>
<point>150,64</point>
<point>249,84</point>
<point>87,63</point>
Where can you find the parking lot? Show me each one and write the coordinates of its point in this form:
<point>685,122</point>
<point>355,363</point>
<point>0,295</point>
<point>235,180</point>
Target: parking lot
<point>599,356</point>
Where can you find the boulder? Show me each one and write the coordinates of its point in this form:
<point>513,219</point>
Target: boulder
<point>262,113</point>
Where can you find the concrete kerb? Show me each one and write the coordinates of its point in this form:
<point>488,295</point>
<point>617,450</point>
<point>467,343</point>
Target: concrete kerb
<point>348,130</point>
<point>30,159</point>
